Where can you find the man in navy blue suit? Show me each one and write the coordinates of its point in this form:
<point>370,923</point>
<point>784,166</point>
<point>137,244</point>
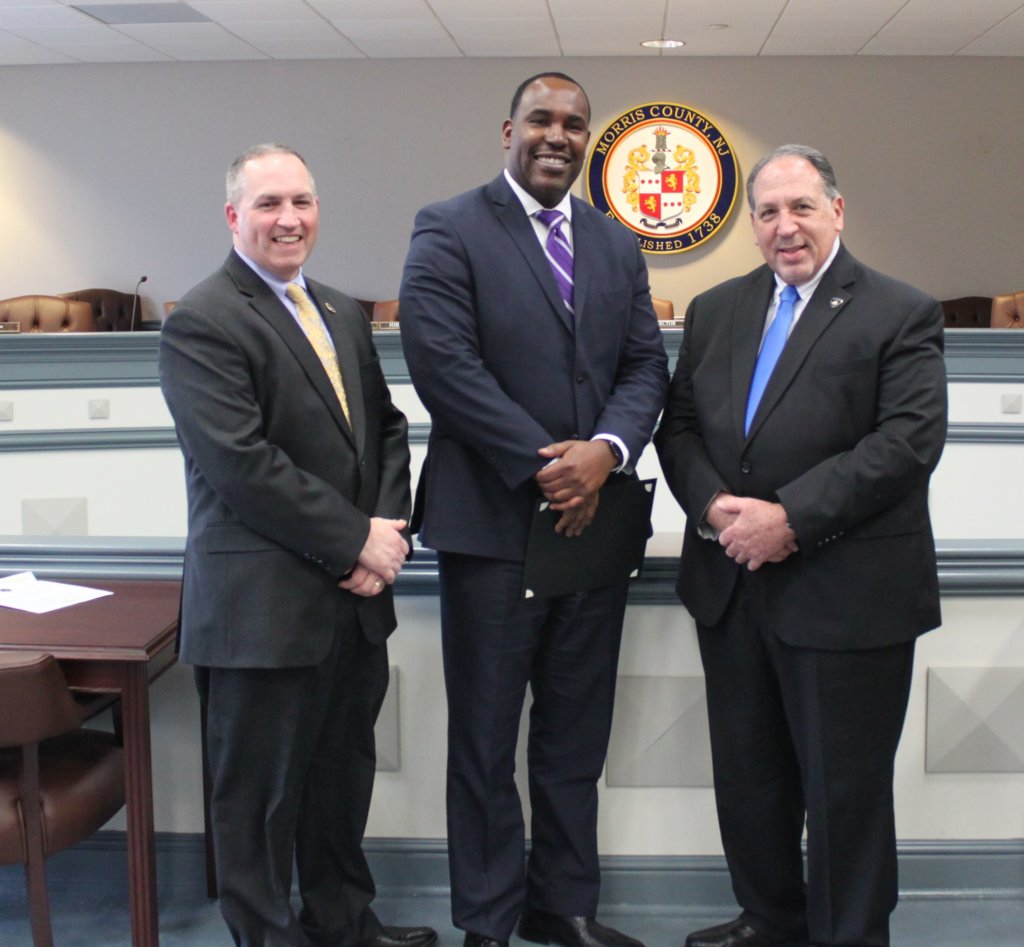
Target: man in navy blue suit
<point>543,370</point>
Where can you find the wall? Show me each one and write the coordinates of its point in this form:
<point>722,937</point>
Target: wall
<point>109,172</point>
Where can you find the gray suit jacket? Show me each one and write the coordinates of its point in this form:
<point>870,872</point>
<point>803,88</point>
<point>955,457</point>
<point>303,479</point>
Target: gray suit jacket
<point>846,436</point>
<point>280,488</point>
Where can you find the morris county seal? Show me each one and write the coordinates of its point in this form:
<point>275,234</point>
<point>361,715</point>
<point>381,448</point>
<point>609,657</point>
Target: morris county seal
<point>667,172</point>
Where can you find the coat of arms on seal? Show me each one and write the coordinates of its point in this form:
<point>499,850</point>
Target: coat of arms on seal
<point>667,172</point>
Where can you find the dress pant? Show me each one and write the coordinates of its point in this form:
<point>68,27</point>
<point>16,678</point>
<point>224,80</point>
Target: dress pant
<point>795,732</point>
<point>566,649</point>
<point>292,760</point>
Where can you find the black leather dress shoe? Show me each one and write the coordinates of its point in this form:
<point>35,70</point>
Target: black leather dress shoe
<point>544,928</point>
<point>478,940</point>
<point>403,937</point>
<point>736,934</point>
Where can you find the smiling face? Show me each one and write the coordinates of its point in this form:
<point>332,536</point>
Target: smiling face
<point>795,222</point>
<point>546,139</point>
<point>274,218</point>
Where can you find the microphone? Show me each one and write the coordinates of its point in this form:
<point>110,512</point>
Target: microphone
<point>135,302</point>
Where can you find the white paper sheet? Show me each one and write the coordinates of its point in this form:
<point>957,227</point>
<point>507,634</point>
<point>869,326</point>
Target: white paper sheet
<point>25,592</point>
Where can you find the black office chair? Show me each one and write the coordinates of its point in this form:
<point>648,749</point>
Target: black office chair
<point>58,782</point>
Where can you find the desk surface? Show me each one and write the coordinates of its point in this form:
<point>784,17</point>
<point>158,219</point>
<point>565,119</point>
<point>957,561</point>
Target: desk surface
<point>135,623</point>
<point>116,645</point>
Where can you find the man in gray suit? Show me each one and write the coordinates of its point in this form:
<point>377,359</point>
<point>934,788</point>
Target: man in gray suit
<point>297,472</point>
<point>805,417</point>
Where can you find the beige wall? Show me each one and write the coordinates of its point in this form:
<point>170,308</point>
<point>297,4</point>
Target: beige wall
<point>109,172</point>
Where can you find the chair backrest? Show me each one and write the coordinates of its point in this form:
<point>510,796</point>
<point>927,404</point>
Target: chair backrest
<point>967,312</point>
<point>663,308</point>
<point>111,309</point>
<point>35,702</point>
<point>1008,311</point>
<point>385,310</point>
<point>47,314</point>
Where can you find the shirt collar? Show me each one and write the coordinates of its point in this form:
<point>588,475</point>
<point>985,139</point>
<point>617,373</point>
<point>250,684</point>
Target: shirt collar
<point>806,290</point>
<point>531,205</point>
<point>275,283</point>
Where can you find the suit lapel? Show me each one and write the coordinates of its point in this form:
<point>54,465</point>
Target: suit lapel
<point>828,301</point>
<point>348,362</point>
<point>263,301</point>
<point>747,327</point>
<point>584,253</point>
<point>513,218</point>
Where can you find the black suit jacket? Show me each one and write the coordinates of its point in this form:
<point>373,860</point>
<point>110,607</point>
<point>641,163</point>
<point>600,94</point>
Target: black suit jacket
<point>280,488</point>
<point>847,434</point>
<point>504,369</point>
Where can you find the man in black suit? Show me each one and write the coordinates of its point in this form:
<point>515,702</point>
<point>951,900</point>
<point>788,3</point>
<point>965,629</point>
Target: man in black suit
<point>537,385</point>
<point>808,560</point>
<point>297,472</point>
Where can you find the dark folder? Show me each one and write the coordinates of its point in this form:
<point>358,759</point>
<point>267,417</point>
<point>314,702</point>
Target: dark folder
<point>609,550</point>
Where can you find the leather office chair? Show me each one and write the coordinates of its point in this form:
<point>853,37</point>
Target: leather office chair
<point>111,309</point>
<point>663,308</point>
<point>1008,311</point>
<point>47,314</point>
<point>967,312</point>
<point>58,782</point>
<point>385,310</point>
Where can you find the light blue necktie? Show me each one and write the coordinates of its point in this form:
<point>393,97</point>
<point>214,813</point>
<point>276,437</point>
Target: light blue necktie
<point>771,349</point>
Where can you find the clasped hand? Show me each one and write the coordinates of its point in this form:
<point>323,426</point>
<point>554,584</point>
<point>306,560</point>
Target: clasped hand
<point>572,480</point>
<point>380,560</point>
<point>751,531</point>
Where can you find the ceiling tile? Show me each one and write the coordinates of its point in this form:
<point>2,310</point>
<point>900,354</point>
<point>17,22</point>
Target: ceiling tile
<point>15,51</point>
<point>236,11</point>
<point>491,10</point>
<point>373,9</point>
<point>406,38</point>
<point>52,14</point>
<point>328,46</point>
<point>192,42</point>
<point>126,51</point>
<point>504,37</point>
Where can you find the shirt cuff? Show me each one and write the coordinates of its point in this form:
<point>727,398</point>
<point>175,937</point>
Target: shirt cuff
<point>623,450</point>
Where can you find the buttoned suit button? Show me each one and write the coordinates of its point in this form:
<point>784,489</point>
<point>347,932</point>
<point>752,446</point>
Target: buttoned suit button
<point>580,379</point>
<point>746,467</point>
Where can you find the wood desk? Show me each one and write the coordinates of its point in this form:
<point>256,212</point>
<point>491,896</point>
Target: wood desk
<point>116,645</point>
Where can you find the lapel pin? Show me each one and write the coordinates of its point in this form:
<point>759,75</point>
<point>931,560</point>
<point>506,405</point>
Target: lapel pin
<point>835,302</point>
<point>330,308</point>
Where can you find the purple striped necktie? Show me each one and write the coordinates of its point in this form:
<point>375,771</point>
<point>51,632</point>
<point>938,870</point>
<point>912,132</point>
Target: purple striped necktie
<point>559,254</point>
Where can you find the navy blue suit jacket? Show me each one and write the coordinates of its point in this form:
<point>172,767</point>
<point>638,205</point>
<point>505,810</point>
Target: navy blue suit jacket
<point>504,369</point>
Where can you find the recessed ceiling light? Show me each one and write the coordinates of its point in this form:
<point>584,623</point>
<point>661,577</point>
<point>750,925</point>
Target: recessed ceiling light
<point>663,43</point>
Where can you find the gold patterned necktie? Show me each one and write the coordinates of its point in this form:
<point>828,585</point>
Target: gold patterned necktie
<point>313,326</point>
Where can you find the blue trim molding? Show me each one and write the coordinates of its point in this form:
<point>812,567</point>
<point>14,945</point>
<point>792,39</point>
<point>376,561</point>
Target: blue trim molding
<point>129,359</point>
<point>162,438</point>
<point>407,868</point>
<point>967,568</point>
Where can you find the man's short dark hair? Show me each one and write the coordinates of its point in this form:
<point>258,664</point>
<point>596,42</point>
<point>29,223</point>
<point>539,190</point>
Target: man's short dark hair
<point>518,94</point>
<point>235,177</point>
<point>821,164</point>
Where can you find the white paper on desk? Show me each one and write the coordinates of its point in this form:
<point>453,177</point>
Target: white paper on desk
<point>29,594</point>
